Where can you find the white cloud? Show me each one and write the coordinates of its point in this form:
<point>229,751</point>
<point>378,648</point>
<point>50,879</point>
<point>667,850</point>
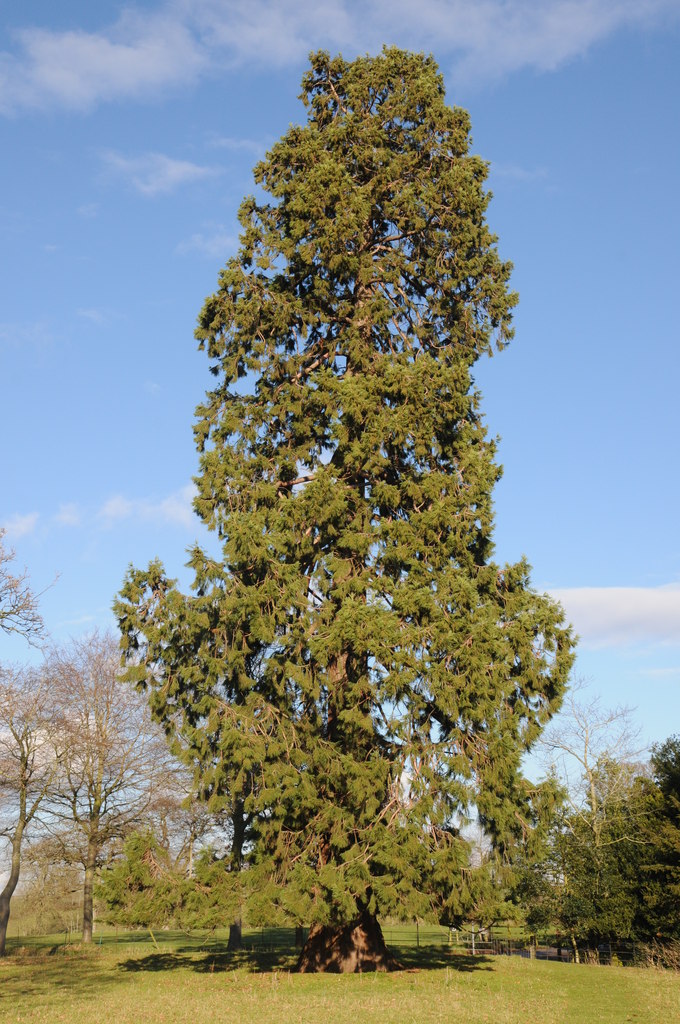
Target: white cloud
<point>622,616</point>
<point>88,210</point>
<point>513,172</point>
<point>236,145</point>
<point>20,525</point>
<point>278,32</point>
<point>488,39</point>
<point>664,672</point>
<point>176,509</point>
<point>35,336</point>
<point>216,242</point>
<point>138,55</point>
<point>115,508</point>
<point>94,316</point>
<point>154,174</point>
<point>68,515</point>
<point>146,52</point>
<point>81,620</point>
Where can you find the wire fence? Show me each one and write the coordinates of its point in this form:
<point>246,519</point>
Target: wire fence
<point>431,943</point>
<point>474,943</point>
<point>471,942</point>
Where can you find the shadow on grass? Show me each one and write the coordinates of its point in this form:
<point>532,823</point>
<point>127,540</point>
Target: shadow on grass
<point>263,961</point>
<point>207,961</point>
<point>433,958</point>
<point>39,974</point>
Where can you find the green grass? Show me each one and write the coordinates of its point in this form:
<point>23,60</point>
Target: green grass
<point>192,980</point>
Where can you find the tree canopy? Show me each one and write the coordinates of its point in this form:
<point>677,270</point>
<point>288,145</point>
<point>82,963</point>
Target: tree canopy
<point>354,673</point>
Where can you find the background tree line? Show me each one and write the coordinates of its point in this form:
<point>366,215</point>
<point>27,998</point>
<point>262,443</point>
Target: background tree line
<point>89,792</point>
<point>609,866</point>
<point>83,768</point>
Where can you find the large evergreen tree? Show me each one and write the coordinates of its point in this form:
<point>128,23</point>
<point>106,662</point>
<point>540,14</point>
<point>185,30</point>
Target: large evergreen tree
<point>354,672</point>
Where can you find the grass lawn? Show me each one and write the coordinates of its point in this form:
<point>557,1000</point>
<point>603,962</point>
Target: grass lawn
<point>196,982</point>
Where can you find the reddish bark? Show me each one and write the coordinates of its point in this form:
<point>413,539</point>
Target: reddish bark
<point>347,948</point>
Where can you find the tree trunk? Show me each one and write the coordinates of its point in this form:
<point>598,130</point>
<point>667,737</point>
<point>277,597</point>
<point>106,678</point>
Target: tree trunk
<point>347,948</point>
<point>10,886</point>
<point>239,825</point>
<point>5,897</point>
<point>574,946</point>
<point>235,935</point>
<point>299,936</point>
<point>88,890</point>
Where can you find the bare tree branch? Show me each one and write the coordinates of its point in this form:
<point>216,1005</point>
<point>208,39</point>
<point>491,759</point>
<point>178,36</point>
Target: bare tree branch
<point>18,603</point>
<point>115,758</point>
<point>580,742</point>
<point>29,764</point>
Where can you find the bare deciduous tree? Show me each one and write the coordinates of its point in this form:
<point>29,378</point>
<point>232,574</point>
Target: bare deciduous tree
<point>48,898</point>
<point>584,739</point>
<point>18,602</point>
<point>29,762</point>
<point>115,759</point>
<point>183,824</point>
<point>595,754</point>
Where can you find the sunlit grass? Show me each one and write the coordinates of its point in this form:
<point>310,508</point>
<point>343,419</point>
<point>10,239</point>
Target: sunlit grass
<point>194,980</point>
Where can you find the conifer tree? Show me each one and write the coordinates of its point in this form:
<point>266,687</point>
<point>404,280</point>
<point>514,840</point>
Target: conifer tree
<point>355,672</point>
<point>661,837</point>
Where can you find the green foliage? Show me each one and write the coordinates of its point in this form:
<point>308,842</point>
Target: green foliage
<point>214,894</point>
<point>141,889</point>
<point>611,868</point>
<point>587,884</point>
<point>354,672</point>
<point>145,889</point>
<point>661,858</point>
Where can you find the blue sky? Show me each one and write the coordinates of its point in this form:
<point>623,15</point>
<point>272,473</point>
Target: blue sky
<point>128,137</point>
